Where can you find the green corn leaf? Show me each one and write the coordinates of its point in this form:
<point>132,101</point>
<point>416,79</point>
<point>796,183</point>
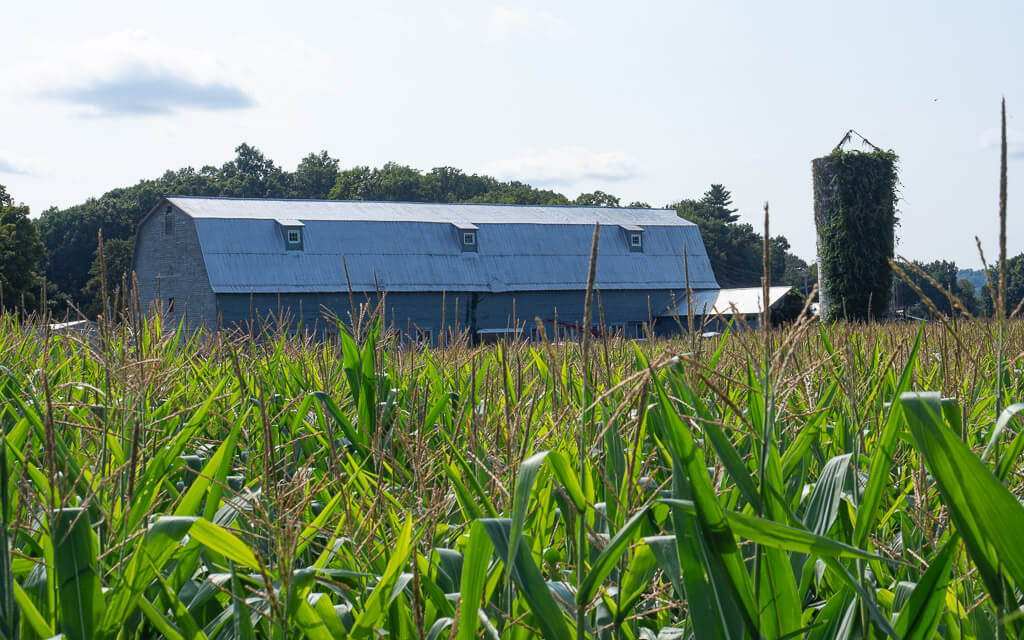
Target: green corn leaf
<point>474,579</point>
<point>920,615</point>
<point>797,450</point>
<point>777,591</point>
<point>224,542</point>
<point>715,613</point>
<point>78,581</point>
<point>313,623</point>
<point>1011,457</point>
<point>153,550</point>
<point>39,625</point>
<point>318,523</point>
<point>520,501</point>
<point>210,480</point>
<point>241,621</point>
<point>733,463</point>
<point>609,556</point>
<point>186,623</point>
<point>560,468</point>
<point>667,556</point>
<point>988,517</point>
<point>160,621</point>
<point>637,580</point>
<point>780,536</point>
<point>716,531</point>
<point>321,604</point>
<point>823,503</point>
<point>547,614</point>
<point>376,605</point>
<point>885,447</point>
<point>356,436</point>
<point>1004,419</point>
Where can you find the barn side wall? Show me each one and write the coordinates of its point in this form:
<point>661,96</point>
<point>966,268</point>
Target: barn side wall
<point>485,312</point>
<point>168,264</point>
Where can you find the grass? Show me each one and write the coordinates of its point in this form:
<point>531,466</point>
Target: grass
<point>817,481</point>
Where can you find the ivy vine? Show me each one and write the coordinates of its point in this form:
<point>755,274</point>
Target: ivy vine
<point>855,216</point>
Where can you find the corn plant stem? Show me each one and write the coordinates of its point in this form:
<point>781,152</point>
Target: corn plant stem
<point>766,393</point>
<point>1001,316</point>
<point>584,434</point>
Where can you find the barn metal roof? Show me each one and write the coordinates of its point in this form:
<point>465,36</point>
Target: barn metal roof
<point>368,211</point>
<point>397,246</point>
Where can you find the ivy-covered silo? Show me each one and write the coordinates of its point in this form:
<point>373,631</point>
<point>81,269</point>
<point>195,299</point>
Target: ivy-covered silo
<point>855,219</point>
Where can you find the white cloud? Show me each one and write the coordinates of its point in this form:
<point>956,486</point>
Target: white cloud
<point>567,165</point>
<point>506,21</point>
<point>129,72</point>
<point>12,168</point>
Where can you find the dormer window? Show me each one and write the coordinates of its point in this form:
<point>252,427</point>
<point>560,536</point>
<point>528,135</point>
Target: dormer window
<point>466,235</point>
<point>292,232</point>
<point>634,237</point>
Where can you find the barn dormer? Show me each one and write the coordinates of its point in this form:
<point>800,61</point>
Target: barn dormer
<point>467,232</point>
<point>634,237</point>
<point>292,232</point>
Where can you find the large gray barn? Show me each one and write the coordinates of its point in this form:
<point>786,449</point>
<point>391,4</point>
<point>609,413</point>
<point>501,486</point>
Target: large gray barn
<point>481,268</point>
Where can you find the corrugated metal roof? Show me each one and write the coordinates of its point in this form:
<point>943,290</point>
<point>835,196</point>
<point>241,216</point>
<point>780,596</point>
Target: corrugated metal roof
<point>726,302</point>
<point>308,210</point>
<point>398,248</point>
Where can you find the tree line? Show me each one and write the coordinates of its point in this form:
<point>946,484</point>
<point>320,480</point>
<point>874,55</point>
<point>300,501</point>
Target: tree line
<point>57,255</point>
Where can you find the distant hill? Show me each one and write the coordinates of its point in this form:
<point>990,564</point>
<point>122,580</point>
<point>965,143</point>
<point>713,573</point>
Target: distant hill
<point>974,276</point>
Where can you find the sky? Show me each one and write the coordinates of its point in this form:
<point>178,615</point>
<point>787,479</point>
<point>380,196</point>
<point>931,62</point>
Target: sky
<point>649,101</point>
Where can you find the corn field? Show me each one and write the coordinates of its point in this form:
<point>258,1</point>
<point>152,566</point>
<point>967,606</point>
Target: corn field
<point>818,481</point>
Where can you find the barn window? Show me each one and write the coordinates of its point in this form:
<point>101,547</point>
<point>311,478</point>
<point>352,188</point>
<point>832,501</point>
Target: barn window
<point>469,238</point>
<point>291,232</point>
<point>168,221</point>
<point>636,241</point>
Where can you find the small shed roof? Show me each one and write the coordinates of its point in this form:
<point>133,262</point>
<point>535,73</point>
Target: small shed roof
<point>726,302</point>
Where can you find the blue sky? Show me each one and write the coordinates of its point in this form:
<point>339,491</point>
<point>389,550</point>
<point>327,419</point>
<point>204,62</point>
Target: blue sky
<point>650,101</point>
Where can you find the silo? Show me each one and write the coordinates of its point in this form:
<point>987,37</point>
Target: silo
<point>855,220</point>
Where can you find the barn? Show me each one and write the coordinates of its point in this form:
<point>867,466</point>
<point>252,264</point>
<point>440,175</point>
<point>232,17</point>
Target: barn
<point>489,270</point>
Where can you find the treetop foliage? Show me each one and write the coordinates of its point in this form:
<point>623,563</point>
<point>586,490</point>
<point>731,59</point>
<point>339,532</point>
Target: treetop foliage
<point>21,253</point>
<point>735,249</point>
<point>62,244</point>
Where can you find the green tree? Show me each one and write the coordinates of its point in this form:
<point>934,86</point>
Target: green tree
<point>253,175</point>
<point>315,176</point>
<point>117,254</point>
<point>716,203</point>
<point>596,199</point>
<point>736,249</point>
<point>1014,285</point>
<point>21,252</point>
<point>940,272</point>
